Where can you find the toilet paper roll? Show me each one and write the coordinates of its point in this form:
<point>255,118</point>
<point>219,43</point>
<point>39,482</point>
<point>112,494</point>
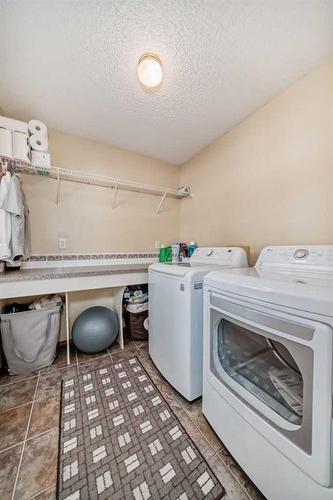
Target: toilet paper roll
<point>6,146</point>
<point>13,125</point>
<point>37,127</point>
<point>21,147</point>
<point>38,143</point>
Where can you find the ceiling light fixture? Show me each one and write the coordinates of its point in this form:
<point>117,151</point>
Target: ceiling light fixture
<point>150,71</point>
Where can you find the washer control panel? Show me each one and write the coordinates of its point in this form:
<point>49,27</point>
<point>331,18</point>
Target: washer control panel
<point>220,256</point>
<point>315,257</point>
<point>301,253</point>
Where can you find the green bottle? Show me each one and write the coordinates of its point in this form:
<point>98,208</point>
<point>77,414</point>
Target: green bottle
<point>165,254</point>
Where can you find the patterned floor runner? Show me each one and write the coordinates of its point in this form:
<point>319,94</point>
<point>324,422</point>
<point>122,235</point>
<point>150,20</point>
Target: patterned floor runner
<point>119,440</point>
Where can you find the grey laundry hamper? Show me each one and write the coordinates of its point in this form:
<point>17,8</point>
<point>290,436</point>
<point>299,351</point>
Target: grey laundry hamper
<point>29,339</point>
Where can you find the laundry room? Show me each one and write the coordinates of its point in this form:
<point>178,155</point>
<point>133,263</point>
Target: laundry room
<point>166,250</point>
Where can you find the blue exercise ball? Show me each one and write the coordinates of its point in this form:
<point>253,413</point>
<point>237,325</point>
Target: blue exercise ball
<point>95,329</point>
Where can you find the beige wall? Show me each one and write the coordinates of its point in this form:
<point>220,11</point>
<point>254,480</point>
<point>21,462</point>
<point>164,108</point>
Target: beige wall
<point>269,180</point>
<point>84,216</point>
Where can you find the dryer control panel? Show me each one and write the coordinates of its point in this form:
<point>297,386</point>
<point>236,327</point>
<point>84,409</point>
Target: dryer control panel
<point>305,257</point>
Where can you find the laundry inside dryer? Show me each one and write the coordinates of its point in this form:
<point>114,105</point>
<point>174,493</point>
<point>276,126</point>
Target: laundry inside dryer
<point>264,367</point>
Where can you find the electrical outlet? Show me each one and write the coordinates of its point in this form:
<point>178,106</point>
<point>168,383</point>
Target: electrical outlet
<point>62,243</point>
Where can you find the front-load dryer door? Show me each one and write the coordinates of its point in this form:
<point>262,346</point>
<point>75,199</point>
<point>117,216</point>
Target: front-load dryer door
<point>276,371</point>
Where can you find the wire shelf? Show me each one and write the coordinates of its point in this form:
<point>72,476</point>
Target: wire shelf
<point>79,176</point>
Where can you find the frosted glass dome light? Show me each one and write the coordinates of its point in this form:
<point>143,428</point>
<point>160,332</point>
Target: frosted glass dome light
<point>150,71</point>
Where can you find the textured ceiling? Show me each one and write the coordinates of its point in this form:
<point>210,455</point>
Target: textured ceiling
<point>73,64</point>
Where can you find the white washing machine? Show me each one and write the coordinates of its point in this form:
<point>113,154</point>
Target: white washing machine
<point>267,377</point>
<point>175,315</point>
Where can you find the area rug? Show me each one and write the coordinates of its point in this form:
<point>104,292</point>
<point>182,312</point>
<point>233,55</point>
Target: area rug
<point>119,439</point>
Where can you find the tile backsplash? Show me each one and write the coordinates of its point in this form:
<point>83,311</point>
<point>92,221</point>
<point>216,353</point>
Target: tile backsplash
<point>93,256</point>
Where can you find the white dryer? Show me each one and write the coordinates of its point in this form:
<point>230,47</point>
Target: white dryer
<point>267,377</point>
<point>175,315</point>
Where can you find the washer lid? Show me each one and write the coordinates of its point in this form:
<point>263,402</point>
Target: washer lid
<point>179,269</point>
<point>192,273</point>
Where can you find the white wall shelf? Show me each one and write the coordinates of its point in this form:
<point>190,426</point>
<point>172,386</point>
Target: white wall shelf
<point>98,180</point>
<point>79,176</point>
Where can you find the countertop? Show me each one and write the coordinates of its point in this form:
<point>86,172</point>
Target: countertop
<point>38,274</point>
<point>38,281</point>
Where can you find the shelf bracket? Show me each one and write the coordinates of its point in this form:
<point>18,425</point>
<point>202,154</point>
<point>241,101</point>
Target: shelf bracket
<point>58,188</point>
<point>114,196</point>
<point>161,202</point>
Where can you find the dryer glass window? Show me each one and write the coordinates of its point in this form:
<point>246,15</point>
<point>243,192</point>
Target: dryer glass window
<point>264,367</point>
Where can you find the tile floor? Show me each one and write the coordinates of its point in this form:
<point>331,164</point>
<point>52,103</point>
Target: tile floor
<point>29,418</point>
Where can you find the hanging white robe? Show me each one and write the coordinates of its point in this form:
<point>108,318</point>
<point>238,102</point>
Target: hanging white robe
<point>5,219</point>
<point>15,205</point>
